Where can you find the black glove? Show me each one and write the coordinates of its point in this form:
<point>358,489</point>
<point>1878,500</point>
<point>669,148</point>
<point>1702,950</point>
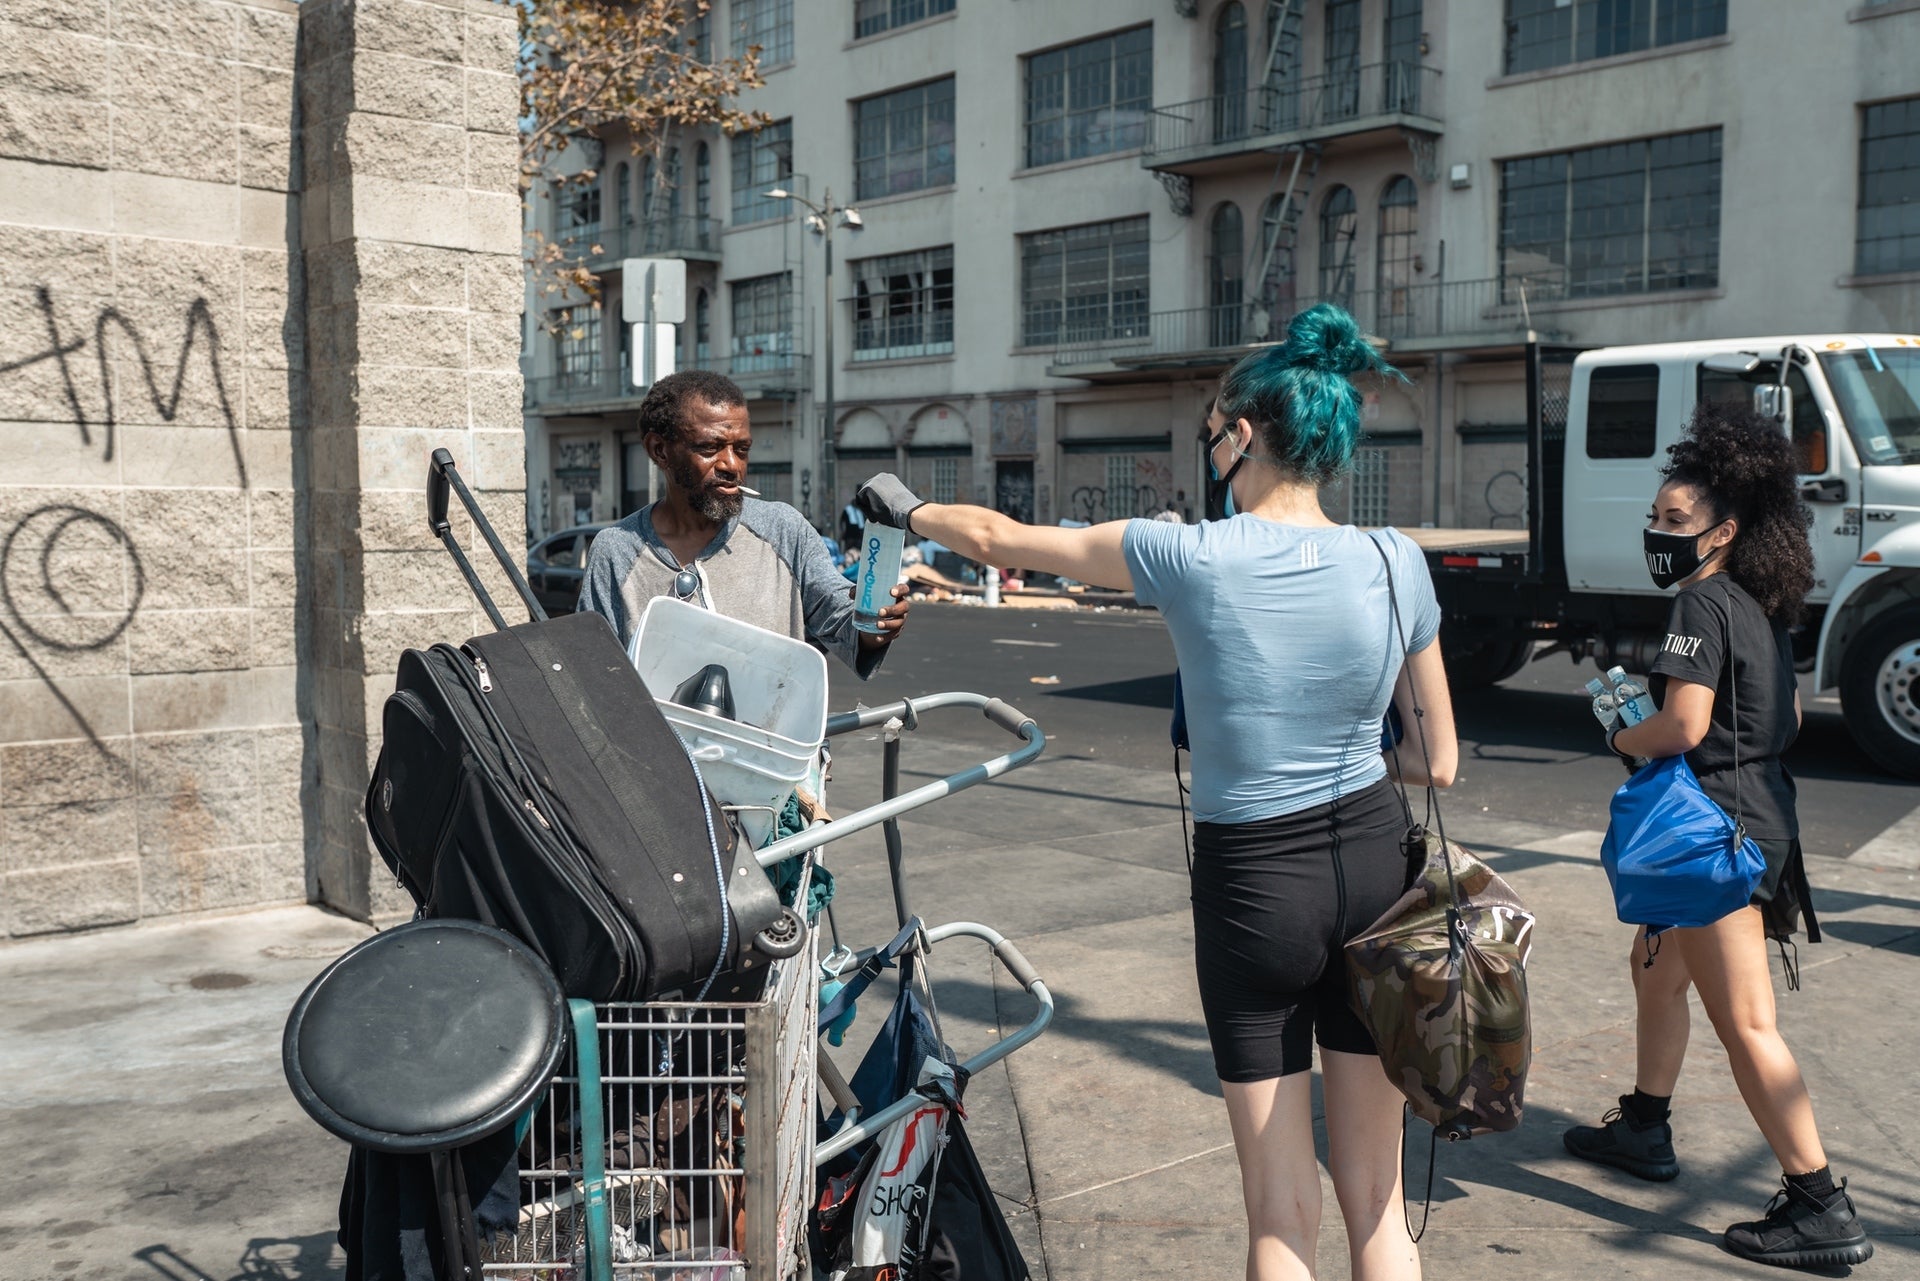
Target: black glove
<point>886,499</point>
<point>1633,763</point>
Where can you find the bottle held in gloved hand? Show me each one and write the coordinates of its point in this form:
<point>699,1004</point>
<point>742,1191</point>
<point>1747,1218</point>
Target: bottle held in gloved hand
<point>1605,710</point>
<point>1631,697</point>
<point>876,574</point>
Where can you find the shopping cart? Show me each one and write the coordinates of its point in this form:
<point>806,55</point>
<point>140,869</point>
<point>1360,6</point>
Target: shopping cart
<point>649,1160</point>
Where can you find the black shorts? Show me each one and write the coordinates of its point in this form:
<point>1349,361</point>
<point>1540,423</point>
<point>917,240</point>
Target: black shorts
<point>1274,902</point>
<point>1784,900</point>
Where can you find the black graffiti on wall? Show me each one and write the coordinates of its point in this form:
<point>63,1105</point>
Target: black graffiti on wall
<point>40,552</point>
<point>71,578</point>
<point>108,320</point>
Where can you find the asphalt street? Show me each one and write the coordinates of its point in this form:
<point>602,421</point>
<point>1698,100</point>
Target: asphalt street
<point>140,1069</point>
<point>1530,749</point>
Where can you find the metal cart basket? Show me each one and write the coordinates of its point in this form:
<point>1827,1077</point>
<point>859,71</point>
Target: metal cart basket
<point>665,1171</point>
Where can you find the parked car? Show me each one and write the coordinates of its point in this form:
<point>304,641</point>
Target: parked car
<point>557,565</point>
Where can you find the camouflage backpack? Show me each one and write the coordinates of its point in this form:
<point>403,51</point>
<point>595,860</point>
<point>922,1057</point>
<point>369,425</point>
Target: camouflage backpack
<point>1440,980</point>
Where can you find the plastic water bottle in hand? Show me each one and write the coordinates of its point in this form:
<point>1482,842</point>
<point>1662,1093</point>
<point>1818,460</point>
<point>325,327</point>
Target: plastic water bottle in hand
<point>1631,697</point>
<point>1605,710</point>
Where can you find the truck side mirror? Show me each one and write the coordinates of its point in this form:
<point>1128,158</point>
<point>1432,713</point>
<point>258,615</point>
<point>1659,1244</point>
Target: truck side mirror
<point>1773,401</point>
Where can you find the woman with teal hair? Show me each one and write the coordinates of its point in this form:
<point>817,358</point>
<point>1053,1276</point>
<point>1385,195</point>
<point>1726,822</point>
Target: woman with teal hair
<point>1290,654</point>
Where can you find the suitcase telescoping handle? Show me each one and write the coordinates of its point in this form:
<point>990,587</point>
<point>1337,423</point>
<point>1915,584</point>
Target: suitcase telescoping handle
<point>442,475</point>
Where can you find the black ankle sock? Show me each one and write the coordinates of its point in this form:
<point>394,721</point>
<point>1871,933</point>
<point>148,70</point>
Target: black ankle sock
<point>1647,1109</point>
<point>1817,1184</point>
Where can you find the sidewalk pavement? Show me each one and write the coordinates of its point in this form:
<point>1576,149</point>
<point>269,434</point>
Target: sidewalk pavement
<point>150,1134</point>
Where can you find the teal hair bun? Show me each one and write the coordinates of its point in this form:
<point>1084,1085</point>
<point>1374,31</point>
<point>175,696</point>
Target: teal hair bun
<point>1327,339</point>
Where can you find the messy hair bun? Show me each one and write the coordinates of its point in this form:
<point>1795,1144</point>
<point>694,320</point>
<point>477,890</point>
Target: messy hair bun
<point>1745,468</point>
<point>1300,394</point>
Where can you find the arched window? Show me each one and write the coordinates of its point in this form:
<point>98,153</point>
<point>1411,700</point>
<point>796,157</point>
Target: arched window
<point>623,192</point>
<point>1273,258</point>
<point>1226,272</point>
<point>703,196</point>
<point>1229,73</point>
<point>1341,53</point>
<point>1395,252</point>
<point>1402,46</point>
<point>702,334</point>
<point>1339,221</point>
<point>1279,58</point>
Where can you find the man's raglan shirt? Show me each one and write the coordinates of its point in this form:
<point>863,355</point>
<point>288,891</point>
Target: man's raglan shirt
<point>766,566</point>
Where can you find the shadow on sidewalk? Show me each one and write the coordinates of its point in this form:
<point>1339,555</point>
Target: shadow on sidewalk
<point>309,1258</point>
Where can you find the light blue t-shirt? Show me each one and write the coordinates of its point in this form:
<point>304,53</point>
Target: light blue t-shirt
<point>1287,653</point>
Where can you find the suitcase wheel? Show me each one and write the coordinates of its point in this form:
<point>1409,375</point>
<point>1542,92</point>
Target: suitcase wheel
<point>784,937</point>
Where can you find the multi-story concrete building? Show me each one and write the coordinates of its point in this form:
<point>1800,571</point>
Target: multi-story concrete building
<point>1077,213</point>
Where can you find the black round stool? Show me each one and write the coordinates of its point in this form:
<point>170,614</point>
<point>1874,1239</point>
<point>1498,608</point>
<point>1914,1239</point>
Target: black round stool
<point>425,1037</point>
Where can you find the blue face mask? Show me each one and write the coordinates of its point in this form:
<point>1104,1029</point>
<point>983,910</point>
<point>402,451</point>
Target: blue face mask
<point>1222,485</point>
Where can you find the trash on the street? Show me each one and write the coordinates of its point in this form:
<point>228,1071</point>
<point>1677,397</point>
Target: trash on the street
<point>1043,680</point>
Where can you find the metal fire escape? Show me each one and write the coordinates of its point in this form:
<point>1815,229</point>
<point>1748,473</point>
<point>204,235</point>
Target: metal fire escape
<point>1298,166</point>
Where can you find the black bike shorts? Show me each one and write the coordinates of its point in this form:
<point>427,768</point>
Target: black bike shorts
<point>1274,901</point>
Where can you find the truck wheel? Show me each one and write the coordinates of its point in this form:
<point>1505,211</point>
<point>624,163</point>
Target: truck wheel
<point>1880,690</point>
<point>1484,658</point>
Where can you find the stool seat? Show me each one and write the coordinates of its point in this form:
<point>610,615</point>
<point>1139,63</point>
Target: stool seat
<point>425,1037</point>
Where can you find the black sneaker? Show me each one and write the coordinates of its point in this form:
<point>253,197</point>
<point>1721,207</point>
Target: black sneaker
<point>1801,1232</point>
<point>1644,1151</point>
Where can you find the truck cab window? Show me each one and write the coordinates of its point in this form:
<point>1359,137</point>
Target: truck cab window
<point>1623,404</point>
<point>1809,425</point>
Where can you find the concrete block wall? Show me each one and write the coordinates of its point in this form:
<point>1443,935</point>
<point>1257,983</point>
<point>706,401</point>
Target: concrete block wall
<point>176,508</point>
<point>411,227</point>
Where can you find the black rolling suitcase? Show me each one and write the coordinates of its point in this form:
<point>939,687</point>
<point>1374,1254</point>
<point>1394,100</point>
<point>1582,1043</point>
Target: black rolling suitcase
<point>526,780</point>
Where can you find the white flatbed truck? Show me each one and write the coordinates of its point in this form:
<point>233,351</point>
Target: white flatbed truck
<point>1600,422</point>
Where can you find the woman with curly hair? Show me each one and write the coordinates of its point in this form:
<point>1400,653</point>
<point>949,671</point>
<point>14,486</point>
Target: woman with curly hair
<point>1728,526</point>
<point>1283,622</point>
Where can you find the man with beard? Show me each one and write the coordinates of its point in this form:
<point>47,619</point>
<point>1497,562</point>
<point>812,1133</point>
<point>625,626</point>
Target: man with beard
<point>709,541</point>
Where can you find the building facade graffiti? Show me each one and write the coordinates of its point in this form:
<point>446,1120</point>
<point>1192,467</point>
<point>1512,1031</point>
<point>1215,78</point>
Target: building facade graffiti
<point>230,331</point>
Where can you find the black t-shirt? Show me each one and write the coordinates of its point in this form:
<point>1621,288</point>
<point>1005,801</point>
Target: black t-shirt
<point>1711,620</point>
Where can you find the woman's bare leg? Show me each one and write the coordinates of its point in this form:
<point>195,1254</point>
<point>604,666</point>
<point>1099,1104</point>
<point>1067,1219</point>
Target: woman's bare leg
<point>1728,963</point>
<point>1363,1155</point>
<point>1273,1136</point>
<point>1664,1021</point>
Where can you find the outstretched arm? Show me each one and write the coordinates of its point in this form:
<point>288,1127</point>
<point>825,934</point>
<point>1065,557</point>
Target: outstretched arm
<point>1091,555</point>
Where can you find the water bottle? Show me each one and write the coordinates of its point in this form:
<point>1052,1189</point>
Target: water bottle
<point>879,569</point>
<point>1632,698</point>
<point>1605,709</point>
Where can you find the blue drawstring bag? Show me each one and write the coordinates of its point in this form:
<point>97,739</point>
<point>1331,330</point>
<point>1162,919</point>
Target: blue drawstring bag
<point>1672,855</point>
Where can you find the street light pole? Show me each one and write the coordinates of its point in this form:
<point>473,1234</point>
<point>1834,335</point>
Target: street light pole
<point>821,220</point>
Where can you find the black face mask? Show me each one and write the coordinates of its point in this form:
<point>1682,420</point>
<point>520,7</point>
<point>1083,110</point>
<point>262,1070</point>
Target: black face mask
<point>1673,558</point>
<point>1220,488</point>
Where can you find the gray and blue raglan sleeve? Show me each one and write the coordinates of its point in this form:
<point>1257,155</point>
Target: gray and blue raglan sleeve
<point>609,561</point>
<point>826,597</point>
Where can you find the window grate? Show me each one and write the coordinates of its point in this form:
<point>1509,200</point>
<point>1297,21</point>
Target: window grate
<point>1089,99</point>
<point>871,17</point>
<point>903,305</point>
<point>762,323</point>
<point>761,161</point>
<point>903,141</point>
<point>1370,486</point>
<point>1888,234</point>
<point>1555,33</point>
<point>1624,218</point>
<point>1084,284</point>
<point>946,480</point>
<point>766,23</point>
